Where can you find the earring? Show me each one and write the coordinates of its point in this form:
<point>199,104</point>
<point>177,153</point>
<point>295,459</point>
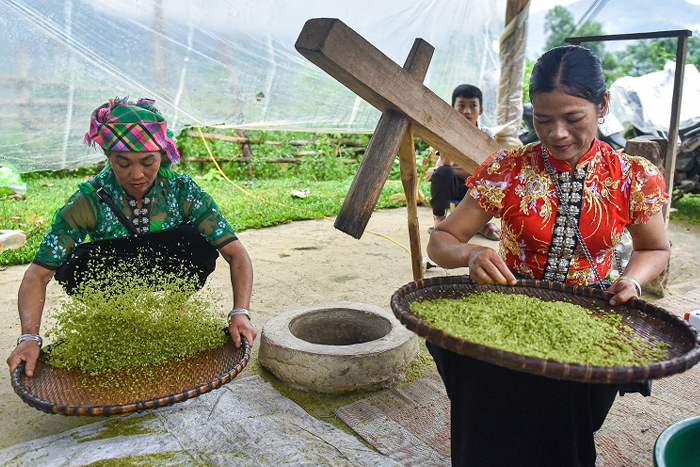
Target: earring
<point>601,120</point>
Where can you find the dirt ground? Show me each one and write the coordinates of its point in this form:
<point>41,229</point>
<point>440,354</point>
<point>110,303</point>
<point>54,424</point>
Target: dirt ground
<point>297,264</point>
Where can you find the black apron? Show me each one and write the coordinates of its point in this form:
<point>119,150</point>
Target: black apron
<point>179,250</point>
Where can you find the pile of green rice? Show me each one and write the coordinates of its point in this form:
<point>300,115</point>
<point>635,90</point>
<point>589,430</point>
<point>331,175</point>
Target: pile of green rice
<point>529,326</point>
<point>123,323</point>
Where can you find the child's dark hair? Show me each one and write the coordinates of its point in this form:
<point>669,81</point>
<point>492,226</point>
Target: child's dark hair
<point>466,91</point>
<point>572,69</point>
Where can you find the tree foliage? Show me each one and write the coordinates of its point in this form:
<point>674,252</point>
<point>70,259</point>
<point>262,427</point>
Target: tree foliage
<point>651,55</point>
<point>529,65</point>
<point>559,24</point>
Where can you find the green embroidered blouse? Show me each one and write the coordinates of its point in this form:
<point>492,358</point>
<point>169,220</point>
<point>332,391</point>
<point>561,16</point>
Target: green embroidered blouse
<point>175,199</point>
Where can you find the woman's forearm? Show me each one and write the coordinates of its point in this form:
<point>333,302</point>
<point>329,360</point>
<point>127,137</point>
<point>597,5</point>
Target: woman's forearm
<point>645,265</point>
<point>32,296</point>
<point>241,270</point>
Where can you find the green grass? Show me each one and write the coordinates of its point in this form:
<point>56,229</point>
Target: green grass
<point>247,205</point>
<point>687,209</point>
<point>258,194</point>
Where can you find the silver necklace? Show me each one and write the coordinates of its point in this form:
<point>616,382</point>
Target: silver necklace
<point>141,217</point>
<point>553,175</point>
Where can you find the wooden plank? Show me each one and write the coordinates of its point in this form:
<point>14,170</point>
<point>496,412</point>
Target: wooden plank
<point>369,180</point>
<point>375,166</point>
<point>357,64</point>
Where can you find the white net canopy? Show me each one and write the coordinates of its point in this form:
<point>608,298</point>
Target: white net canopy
<point>224,63</point>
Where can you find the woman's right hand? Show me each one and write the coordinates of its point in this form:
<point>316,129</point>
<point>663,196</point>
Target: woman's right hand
<point>450,245</point>
<point>30,302</point>
<point>28,352</point>
<point>487,267</point>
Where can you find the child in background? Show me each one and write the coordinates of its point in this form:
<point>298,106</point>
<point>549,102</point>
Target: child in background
<point>447,179</point>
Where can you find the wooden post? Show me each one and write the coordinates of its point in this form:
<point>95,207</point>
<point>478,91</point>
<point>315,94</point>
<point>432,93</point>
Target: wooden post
<point>247,150</point>
<point>513,42</point>
<point>670,160</point>
<point>409,179</point>
<point>513,9</point>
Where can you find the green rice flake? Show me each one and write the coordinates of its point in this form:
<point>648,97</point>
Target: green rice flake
<point>533,327</point>
<point>124,323</point>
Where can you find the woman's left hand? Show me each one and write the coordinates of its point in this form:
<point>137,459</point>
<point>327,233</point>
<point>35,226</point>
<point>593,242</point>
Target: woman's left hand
<point>623,290</point>
<point>240,325</point>
<point>649,258</point>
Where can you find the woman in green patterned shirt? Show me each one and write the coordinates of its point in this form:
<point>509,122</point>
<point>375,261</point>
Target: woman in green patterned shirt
<point>136,210</point>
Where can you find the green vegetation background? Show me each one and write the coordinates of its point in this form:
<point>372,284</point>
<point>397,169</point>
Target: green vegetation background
<point>251,196</point>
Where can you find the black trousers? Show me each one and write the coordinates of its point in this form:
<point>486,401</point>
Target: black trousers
<point>181,250</point>
<point>445,186</point>
<point>503,418</point>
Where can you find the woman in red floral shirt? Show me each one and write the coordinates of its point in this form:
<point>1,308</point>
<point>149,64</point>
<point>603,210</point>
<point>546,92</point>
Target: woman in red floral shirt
<point>564,204</point>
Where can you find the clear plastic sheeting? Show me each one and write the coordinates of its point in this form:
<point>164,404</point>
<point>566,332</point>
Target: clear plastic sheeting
<point>216,63</point>
<point>510,96</point>
<point>645,101</point>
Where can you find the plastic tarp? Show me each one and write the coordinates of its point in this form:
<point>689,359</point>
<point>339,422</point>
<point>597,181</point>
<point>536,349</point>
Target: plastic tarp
<point>214,63</point>
<point>510,97</point>
<point>645,101</point>
<point>246,422</point>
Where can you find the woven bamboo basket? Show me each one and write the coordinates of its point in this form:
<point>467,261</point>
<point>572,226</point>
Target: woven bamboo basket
<point>649,322</point>
<point>73,392</point>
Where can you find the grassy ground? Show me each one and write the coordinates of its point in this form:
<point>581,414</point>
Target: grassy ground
<point>251,194</point>
<point>247,204</point>
<point>687,209</point>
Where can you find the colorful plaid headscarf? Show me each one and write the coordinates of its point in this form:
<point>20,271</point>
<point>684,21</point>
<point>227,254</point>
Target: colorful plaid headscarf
<point>122,125</point>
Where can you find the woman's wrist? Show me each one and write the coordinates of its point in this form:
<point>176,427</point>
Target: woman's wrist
<point>634,281</point>
<point>237,311</point>
<point>30,337</point>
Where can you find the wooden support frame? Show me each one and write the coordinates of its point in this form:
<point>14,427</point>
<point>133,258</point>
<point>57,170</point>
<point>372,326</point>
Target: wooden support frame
<point>408,108</point>
<point>361,67</point>
<point>382,148</point>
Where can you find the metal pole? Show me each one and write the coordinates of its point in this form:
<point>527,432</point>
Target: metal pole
<point>670,159</point>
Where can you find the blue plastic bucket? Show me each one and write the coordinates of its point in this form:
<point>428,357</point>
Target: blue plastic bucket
<point>679,445</point>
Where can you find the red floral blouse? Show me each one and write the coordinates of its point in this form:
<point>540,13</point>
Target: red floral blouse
<point>539,237</point>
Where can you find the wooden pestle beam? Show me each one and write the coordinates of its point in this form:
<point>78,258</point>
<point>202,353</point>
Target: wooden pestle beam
<point>361,67</point>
